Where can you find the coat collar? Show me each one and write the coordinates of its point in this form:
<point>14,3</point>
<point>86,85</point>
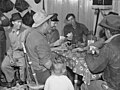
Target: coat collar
<point>107,41</point>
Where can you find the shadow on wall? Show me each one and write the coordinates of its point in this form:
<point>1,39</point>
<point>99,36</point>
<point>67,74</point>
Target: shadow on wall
<point>35,7</point>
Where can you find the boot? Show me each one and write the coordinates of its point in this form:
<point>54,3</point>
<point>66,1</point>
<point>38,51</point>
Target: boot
<point>3,84</point>
<point>11,84</point>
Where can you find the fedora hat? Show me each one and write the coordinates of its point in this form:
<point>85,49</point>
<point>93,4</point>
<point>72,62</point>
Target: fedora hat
<point>16,16</point>
<point>40,17</point>
<point>111,22</point>
<point>54,18</point>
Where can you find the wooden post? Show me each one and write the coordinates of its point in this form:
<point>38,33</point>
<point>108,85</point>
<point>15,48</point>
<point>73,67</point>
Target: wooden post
<point>98,12</point>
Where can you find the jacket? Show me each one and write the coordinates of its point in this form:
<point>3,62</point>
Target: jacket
<point>107,62</point>
<point>38,49</point>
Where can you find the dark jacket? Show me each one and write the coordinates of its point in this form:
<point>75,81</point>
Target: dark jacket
<point>107,62</point>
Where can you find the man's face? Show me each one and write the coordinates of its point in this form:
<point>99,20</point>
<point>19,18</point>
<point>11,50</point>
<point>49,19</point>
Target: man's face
<point>53,24</point>
<point>71,20</point>
<point>17,24</point>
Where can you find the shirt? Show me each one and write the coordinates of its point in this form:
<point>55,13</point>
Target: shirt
<point>61,82</point>
<point>15,39</point>
<point>53,36</point>
<point>77,32</point>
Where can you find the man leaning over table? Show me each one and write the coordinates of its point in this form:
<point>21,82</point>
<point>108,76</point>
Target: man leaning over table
<point>106,59</point>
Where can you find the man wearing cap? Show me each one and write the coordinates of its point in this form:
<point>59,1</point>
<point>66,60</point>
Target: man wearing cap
<point>53,34</point>
<point>38,48</point>
<point>15,55</point>
<point>4,21</point>
<point>107,59</point>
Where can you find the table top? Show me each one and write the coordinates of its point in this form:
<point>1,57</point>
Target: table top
<point>76,62</point>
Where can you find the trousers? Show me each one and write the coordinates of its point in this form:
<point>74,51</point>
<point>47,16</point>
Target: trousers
<point>8,69</point>
<point>2,52</point>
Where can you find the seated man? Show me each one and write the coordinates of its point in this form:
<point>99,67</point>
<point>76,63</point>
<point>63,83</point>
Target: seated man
<point>77,29</point>
<point>15,55</point>
<point>53,34</point>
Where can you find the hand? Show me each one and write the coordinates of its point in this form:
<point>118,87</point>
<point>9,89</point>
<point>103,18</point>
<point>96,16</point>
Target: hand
<point>77,49</point>
<point>62,38</point>
<point>12,62</point>
<point>98,44</point>
<point>48,64</point>
<point>83,44</point>
<point>86,48</point>
<point>79,44</point>
<point>93,50</point>
<point>57,43</point>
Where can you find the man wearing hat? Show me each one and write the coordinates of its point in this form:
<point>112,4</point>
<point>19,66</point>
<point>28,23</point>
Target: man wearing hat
<point>15,55</point>
<point>107,59</point>
<point>53,34</point>
<point>4,21</point>
<point>38,48</point>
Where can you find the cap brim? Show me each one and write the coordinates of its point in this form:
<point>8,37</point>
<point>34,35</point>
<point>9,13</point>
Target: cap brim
<point>108,27</point>
<point>55,20</point>
<point>38,24</point>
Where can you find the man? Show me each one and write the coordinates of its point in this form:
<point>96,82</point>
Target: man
<point>4,21</point>
<point>74,32</point>
<point>107,59</point>
<point>53,34</point>
<point>38,48</point>
<point>77,29</point>
<point>15,55</point>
